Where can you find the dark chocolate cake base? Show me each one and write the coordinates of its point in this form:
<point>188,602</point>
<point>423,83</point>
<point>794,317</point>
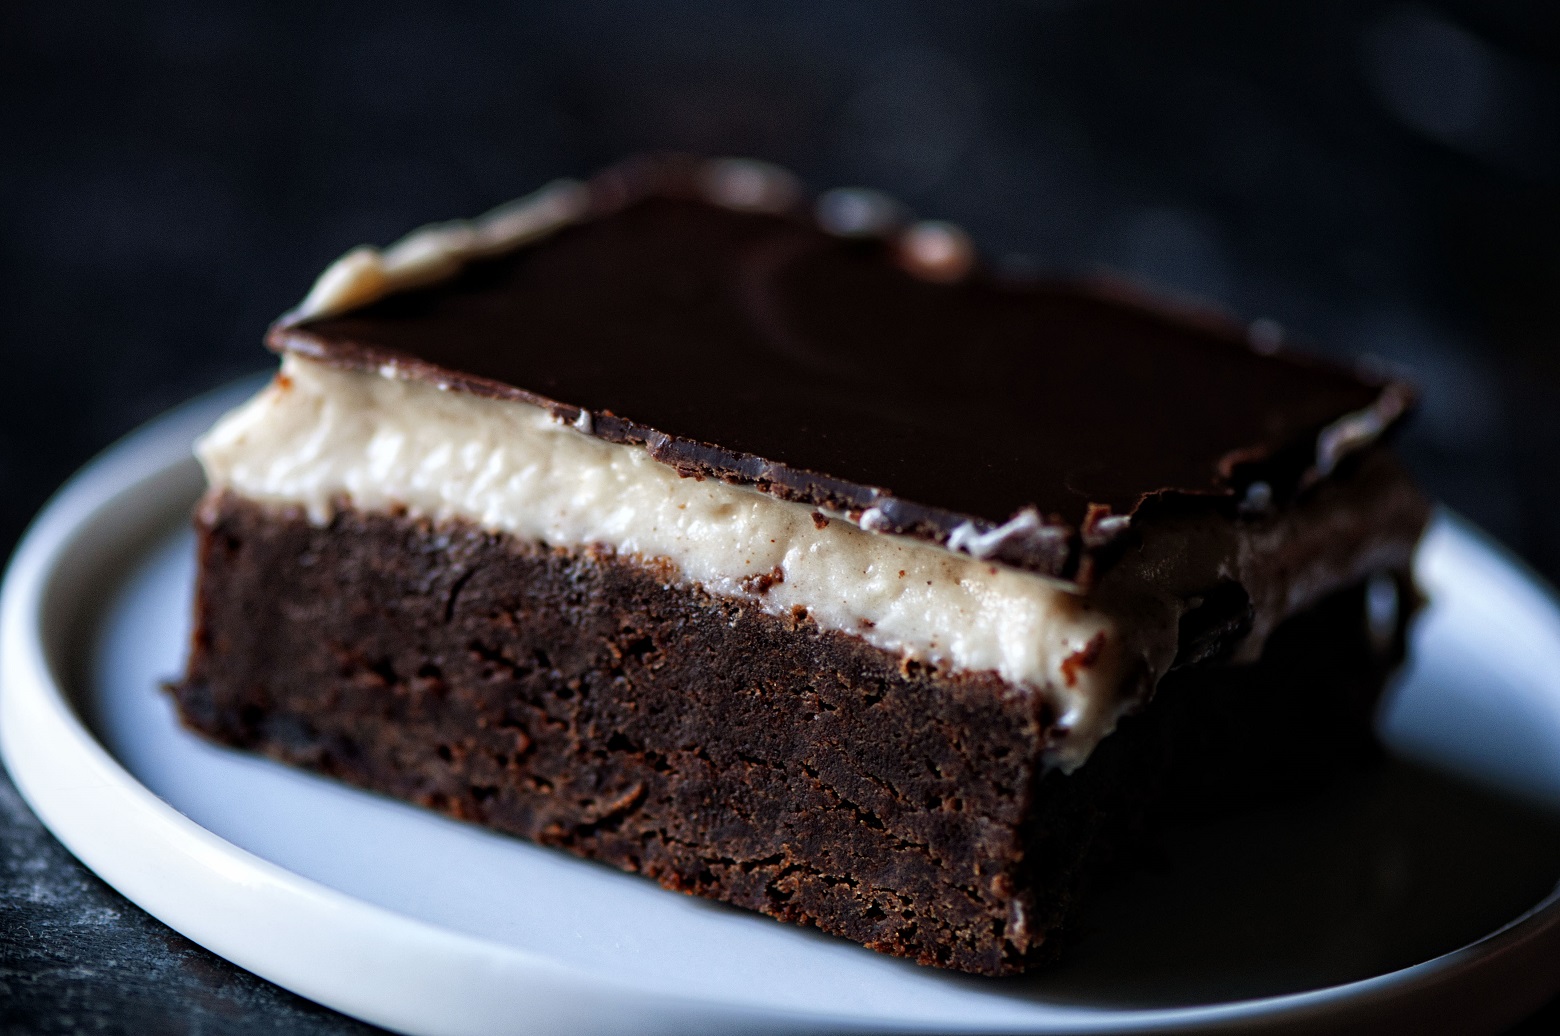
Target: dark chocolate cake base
<point>592,703</point>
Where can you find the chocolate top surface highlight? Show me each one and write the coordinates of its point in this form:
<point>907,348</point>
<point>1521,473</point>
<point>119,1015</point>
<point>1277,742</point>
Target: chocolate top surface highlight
<point>1017,421</point>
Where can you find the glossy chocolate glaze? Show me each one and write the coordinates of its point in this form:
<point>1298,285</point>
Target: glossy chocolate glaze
<point>757,348</point>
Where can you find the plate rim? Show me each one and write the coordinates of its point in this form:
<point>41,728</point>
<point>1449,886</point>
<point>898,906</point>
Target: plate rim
<point>78,789</point>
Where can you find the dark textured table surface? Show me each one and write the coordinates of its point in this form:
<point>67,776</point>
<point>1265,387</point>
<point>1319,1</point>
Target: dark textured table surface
<point>75,956</point>
<point>1378,177</point>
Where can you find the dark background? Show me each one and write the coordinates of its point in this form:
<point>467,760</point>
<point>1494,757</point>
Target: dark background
<point>1378,178</point>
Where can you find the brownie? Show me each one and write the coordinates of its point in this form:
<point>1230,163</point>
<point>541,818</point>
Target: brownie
<point>802,564</point>
<point>578,701</point>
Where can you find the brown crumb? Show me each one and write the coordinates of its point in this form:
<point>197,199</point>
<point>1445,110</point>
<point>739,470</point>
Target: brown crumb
<point>1083,658</point>
<point>283,381</point>
<point>760,583</point>
<point>820,520</point>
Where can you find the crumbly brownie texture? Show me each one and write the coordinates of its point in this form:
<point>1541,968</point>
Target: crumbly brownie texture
<point>592,703</point>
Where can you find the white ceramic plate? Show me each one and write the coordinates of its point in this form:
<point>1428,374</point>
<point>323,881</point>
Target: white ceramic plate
<point>1407,898</point>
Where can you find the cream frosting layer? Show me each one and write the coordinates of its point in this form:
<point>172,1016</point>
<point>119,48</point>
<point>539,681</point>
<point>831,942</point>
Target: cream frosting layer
<point>319,437</point>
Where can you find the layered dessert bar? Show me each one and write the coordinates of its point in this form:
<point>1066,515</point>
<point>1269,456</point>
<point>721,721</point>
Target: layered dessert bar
<point>785,554</point>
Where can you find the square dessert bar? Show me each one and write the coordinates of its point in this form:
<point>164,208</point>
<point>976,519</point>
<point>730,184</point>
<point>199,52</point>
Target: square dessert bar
<point>786,555</point>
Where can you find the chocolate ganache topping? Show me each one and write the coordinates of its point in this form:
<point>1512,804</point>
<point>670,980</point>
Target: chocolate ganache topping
<point>1028,422</point>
